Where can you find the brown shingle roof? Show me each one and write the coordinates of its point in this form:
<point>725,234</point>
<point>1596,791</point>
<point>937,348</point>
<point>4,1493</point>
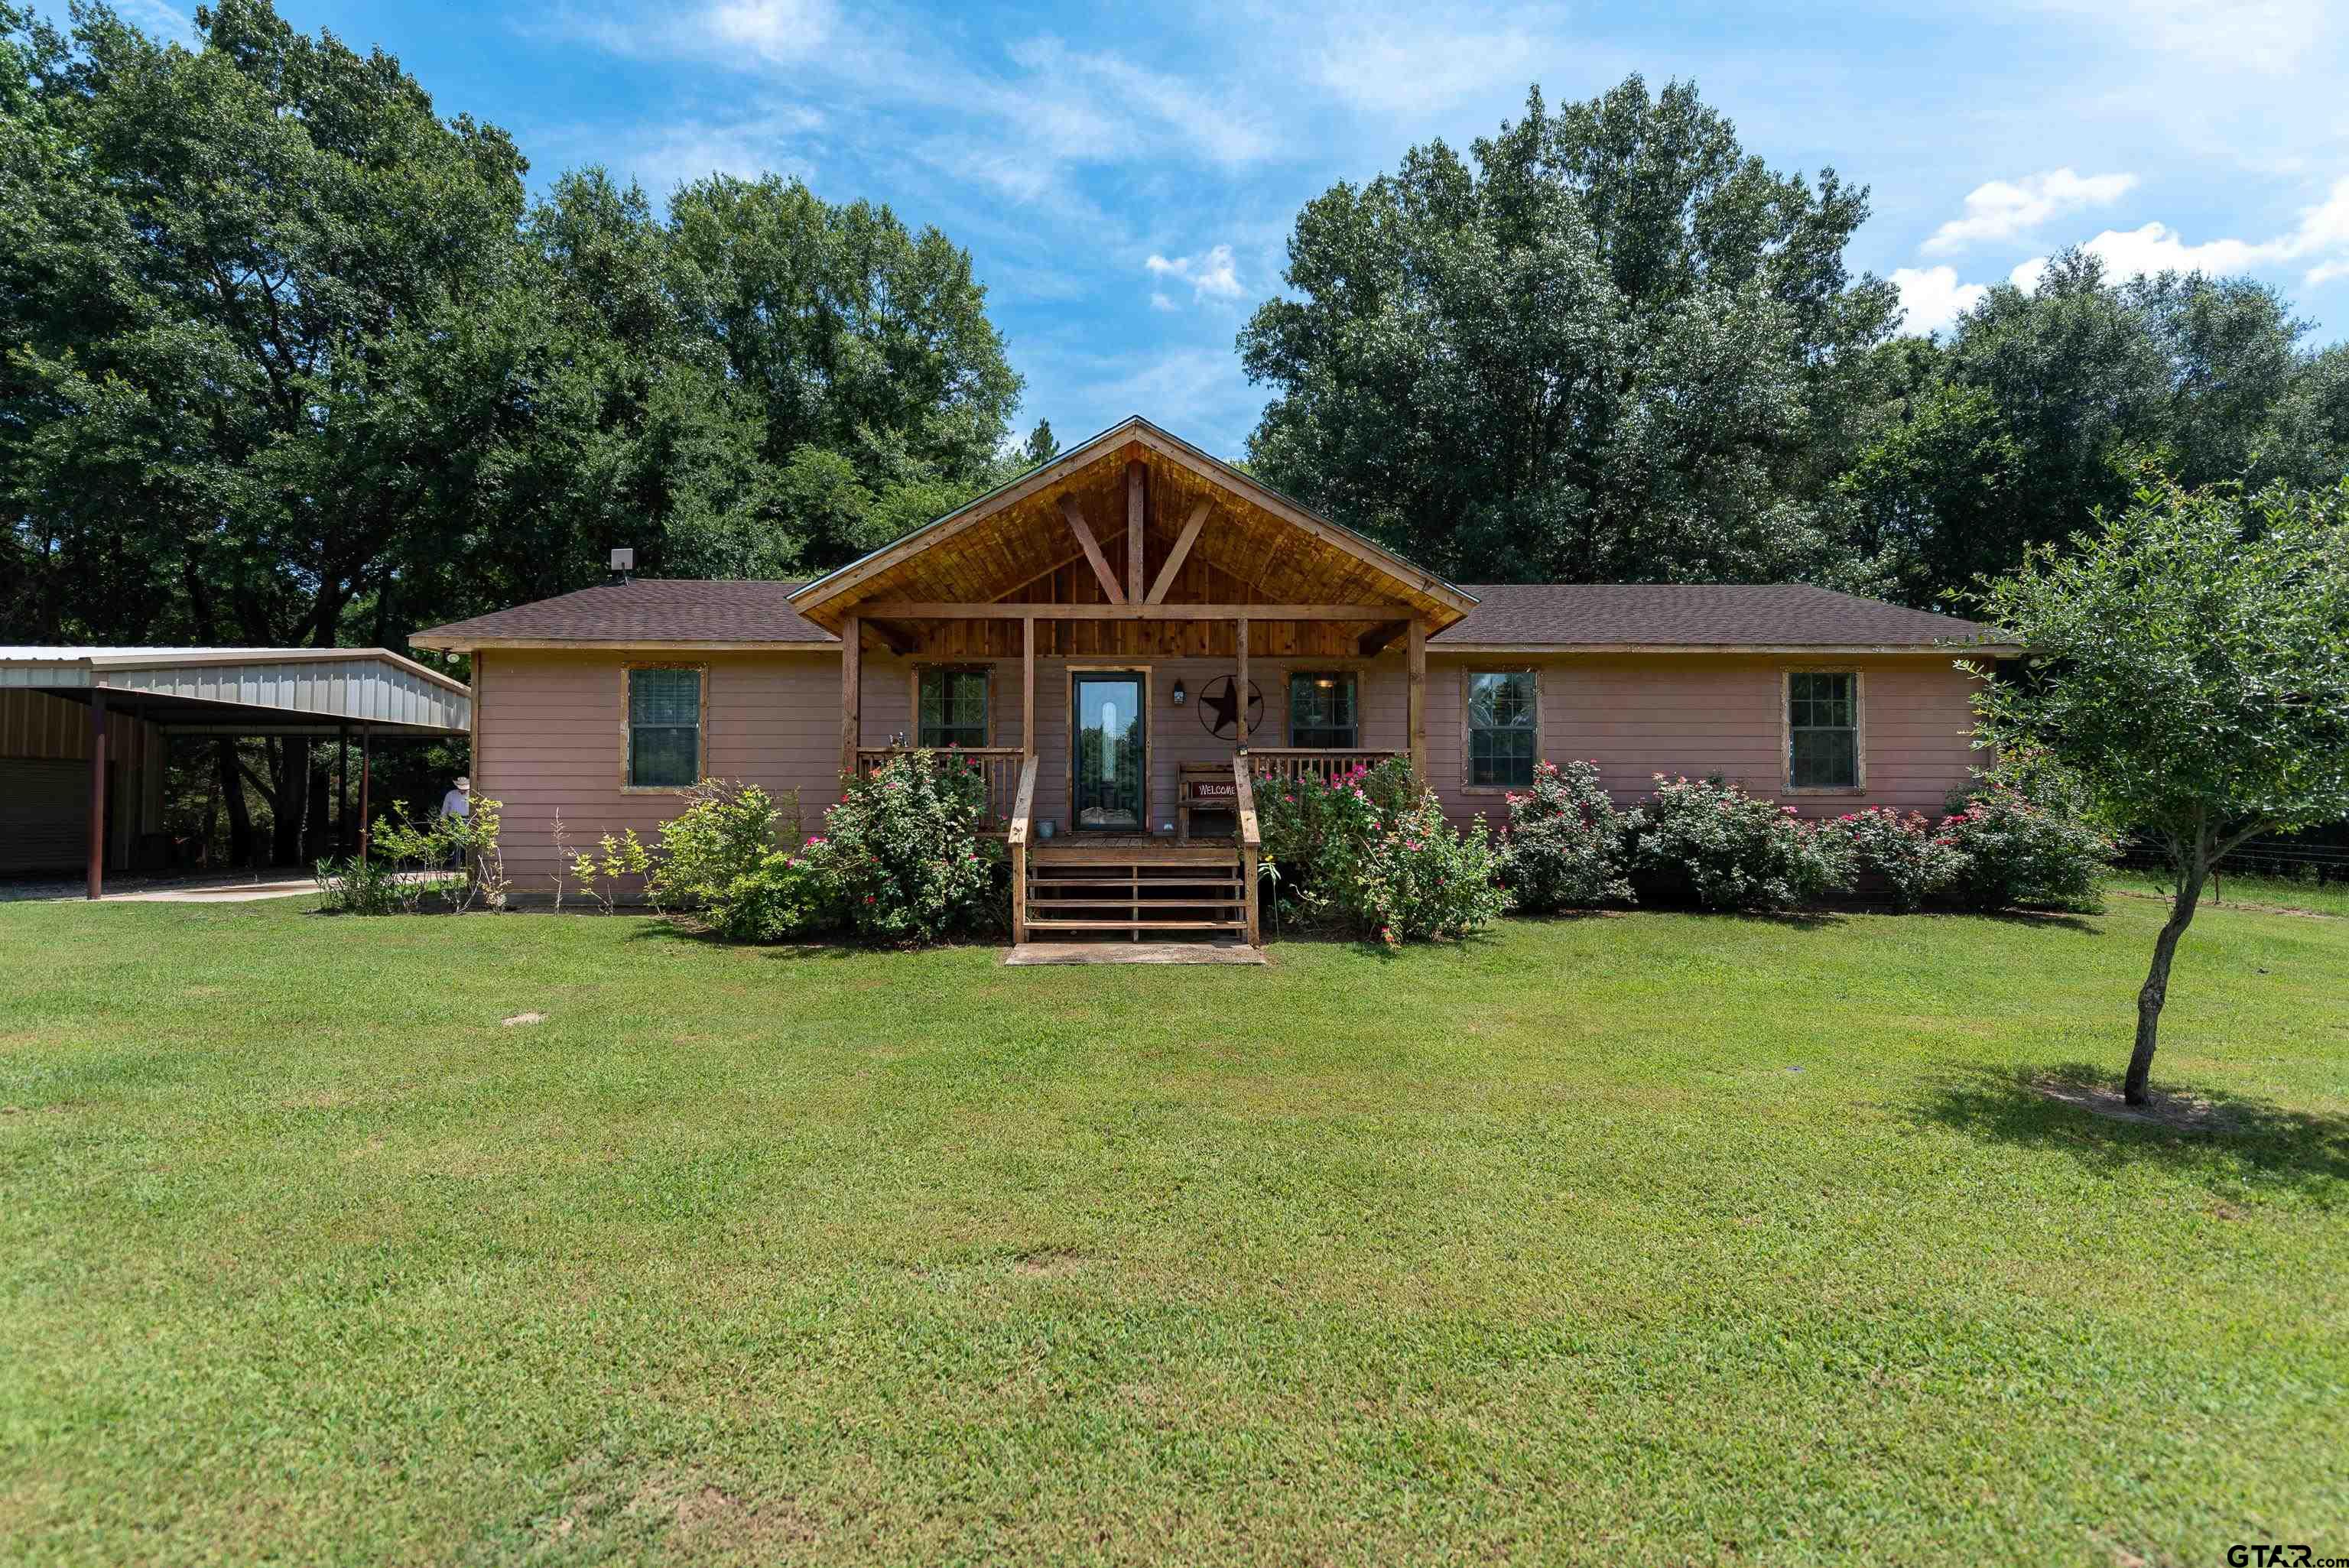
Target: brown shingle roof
<point>651,610</point>
<point>1538,615</point>
<point>1692,614</point>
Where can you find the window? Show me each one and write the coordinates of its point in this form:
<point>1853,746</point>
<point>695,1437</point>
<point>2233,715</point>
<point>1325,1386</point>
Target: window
<point>1321,710</point>
<point>1822,730</point>
<point>1503,732</point>
<point>664,727</point>
<point>951,709</point>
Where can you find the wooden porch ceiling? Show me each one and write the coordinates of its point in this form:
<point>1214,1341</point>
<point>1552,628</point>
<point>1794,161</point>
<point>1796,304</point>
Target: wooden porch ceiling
<point>1210,536</point>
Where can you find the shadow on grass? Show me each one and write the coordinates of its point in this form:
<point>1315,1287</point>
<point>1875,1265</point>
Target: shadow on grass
<point>657,929</point>
<point>2200,1131</point>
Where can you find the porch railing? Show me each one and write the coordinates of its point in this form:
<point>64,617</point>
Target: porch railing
<point>1324,763</point>
<point>998,765</point>
<point>1251,841</point>
<point>1015,837</point>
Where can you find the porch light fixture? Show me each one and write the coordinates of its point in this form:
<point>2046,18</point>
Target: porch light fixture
<point>1179,694</point>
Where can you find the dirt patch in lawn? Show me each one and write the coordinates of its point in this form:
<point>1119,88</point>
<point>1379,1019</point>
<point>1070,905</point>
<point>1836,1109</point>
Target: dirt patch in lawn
<point>2178,1112</point>
<point>1048,1263</point>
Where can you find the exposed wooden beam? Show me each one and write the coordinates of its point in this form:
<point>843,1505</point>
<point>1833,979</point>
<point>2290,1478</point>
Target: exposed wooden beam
<point>1181,552</point>
<point>1134,509</point>
<point>1092,548</point>
<point>1379,636</point>
<point>1008,610</point>
<point>897,639</point>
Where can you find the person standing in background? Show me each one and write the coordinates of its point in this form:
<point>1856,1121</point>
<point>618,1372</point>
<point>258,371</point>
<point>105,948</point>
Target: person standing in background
<point>458,803</point>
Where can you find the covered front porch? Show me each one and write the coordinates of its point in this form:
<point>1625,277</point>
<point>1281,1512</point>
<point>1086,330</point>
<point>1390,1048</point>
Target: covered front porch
<point>1127,643</point>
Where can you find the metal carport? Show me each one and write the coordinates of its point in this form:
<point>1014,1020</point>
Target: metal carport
<point>347,692</point>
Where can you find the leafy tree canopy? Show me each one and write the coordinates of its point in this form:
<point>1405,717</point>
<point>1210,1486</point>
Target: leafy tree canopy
<point>1610,345</point>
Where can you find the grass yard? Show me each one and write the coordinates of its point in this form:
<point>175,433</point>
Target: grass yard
<point>2278,892</point>
<point>1654,1239</point>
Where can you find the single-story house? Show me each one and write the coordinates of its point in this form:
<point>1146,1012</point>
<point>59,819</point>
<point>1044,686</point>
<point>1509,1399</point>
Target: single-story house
<point>1135,627</point>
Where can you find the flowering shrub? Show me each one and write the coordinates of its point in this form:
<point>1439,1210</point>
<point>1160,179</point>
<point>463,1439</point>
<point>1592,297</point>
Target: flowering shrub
<point>1418,878</point>
<point>2018,852</point>
<point>451,862</point>
<point>723,858</point>
<point>1916,860</point>
<point>1564,847</point>
<point>1316,832</point>
<point>1712,841</point>
<point>901,857</point>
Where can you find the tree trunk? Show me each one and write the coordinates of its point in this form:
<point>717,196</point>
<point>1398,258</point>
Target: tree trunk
<point>289,793</point>
<point>240,815</point>
<point>2155,990</point>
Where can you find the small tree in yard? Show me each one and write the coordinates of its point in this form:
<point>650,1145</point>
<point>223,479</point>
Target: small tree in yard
<point>2189,664</point>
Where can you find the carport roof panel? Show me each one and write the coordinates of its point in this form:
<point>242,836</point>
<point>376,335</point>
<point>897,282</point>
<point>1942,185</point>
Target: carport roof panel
<point>253,689</point>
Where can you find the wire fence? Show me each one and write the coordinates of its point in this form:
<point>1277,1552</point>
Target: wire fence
<point>2317,855</point>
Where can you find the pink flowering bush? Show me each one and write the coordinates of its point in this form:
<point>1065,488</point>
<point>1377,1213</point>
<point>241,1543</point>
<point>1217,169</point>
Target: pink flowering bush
<point>724,860</point>
<point>901,858</point>
<point>1369,852</point>
<point>2026,850</point>
<point>1563,847</point>
<point>1915,859</point>
<point>1418,878</point>
<point>1316,832</point>
<point>1710,843</point>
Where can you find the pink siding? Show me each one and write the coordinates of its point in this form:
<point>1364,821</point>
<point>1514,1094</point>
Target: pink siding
<point>550,730</point>
<point>1701,714</point>
<point>548,736</point>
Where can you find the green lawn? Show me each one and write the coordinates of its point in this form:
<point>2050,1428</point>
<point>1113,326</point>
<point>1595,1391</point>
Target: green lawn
<point>1653,1239</point>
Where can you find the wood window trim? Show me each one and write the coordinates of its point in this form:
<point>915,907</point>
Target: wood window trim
<point>1858,732</point>
<point>1352,677</point>
<point>1148,677</point>
<point>1468,673</point>
<point>629,728</point>
<point>946,667</point>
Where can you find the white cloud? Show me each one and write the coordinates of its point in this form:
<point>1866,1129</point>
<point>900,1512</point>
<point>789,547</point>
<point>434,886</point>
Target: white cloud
<point>1933,297</point>
<point>2003,209</point>
<point>2321,238</point>
<point>1212,273</point>
<point>1216,129</point>
<point>1385,65</point>
<point>2272,36</point>
<point>775,30</point>
<point>1159,301</point>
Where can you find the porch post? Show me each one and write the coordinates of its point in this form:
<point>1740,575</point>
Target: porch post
<point>342,789</point>
<point>852,639</point>
<point>1028,686</point>
<point>1418,700</point>
<point>96,871</point>
<point>1240,681</point>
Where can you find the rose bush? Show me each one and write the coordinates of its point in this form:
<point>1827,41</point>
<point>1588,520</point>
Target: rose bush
<point>724,859</point>
<point>1710,843</point>
<point>901,857</point>
<point>1418,878</point>
<point>1563,846</point>
<point>2019,853</point>
<point>1915,859</point>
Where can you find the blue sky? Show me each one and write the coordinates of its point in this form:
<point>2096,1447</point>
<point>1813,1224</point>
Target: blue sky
<point>1125,181</point>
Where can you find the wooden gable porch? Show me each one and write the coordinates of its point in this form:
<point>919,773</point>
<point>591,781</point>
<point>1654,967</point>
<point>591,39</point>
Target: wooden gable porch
<point>1132,553</point>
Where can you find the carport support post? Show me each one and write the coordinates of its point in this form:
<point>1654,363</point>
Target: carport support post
<point>343,790</point>
<point>96,791</point>
<point>365,735</point>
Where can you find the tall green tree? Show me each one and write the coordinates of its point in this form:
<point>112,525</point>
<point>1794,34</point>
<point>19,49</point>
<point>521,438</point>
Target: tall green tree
<point>1610,345</point>
<point>2189,663</point>
<point>2042,405</point>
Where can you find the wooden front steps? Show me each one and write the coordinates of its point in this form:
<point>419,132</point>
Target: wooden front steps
<point>1135,886</point>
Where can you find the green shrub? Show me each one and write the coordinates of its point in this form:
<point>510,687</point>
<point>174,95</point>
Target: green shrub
<point>2024,853</point>
<point>1916,860</point>
<point>723,859</point>
<point>1563,846</point>
<point>902,857</point>
<point>447,863</point>
<point>1418,879</point>
<point>1316,832</point>
<point>1710,842</point>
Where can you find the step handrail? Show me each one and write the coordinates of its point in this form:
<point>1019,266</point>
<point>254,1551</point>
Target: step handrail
<point>1023,804</point>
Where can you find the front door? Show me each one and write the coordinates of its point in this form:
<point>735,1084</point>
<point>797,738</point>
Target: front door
<point>1108,726</point>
